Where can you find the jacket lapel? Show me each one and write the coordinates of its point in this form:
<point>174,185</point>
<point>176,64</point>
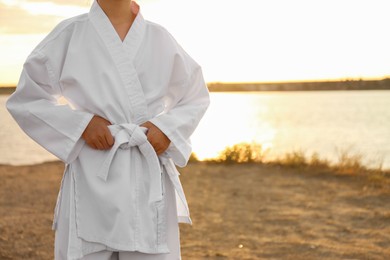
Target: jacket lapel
<point>123,54</point>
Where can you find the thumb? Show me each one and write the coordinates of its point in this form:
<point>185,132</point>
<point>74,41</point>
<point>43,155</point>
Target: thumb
<point>110,139</point>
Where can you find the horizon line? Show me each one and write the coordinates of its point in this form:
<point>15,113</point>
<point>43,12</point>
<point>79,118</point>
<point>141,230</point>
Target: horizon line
<point>275,82</point>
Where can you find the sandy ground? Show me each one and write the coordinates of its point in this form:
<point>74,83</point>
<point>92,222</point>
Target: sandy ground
<point>239,212</point>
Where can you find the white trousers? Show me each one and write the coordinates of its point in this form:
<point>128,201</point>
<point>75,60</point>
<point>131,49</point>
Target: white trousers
<point>173,239</point>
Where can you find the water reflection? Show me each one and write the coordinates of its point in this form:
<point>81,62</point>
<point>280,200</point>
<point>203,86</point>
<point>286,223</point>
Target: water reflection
<point>232,118</point>
<point>319,121</point>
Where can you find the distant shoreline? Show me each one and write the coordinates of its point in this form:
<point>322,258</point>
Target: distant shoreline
<point>383,84</point>
<point>7,90</point>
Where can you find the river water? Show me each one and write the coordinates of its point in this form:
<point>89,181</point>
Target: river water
<point>326,122</point>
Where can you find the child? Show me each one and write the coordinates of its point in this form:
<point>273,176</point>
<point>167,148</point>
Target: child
<point>134,97</point>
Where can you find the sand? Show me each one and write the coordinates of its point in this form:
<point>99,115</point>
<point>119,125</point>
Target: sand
<point>239,212</point>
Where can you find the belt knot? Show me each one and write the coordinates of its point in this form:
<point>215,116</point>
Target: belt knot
<point>131,135</point>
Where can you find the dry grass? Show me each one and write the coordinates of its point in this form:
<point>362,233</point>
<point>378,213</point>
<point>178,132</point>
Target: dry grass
<point>242,153</point>
<point>347,162</point>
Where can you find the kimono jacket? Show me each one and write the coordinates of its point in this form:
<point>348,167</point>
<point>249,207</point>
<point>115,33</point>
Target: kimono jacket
<point>116,194</point>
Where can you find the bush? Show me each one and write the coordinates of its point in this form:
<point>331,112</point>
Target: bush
<point>242,153</point>
<point>294,158</point>
<point>349,163</point>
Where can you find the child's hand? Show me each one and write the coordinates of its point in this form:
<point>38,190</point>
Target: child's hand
<point>156,138</point>
<point>97,135</point>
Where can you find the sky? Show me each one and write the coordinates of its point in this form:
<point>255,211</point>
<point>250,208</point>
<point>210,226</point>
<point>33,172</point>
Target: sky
<point>234,41</point>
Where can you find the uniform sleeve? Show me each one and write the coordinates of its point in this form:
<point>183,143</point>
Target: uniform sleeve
<point>34,106</point>
<point>189,102</point>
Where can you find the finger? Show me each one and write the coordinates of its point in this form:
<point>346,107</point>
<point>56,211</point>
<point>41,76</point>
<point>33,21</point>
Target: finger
<point>147,124</point>
<point>155,147</point>
<point>109,139</point>
<point>149,136</point>
<point>99,144</point>
<point>92,145</point>
<point>160,150</point>
<point>103,141</point>
<point>147,132</point>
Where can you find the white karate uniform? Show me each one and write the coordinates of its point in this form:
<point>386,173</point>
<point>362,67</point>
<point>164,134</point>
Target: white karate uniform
<point>116,196</point>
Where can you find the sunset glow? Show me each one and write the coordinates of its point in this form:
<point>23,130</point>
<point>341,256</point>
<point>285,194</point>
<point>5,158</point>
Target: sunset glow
<point>230,120</point>
<point>249,40</point>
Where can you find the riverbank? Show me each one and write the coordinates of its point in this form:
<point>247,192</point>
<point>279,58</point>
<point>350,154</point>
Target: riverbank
<point>360,84</point>
<point>240,211</point>
<point>7,90</point>
<point>381,84</point>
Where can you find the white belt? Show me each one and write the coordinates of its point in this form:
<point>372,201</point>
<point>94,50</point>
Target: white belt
<point>131,135</point>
